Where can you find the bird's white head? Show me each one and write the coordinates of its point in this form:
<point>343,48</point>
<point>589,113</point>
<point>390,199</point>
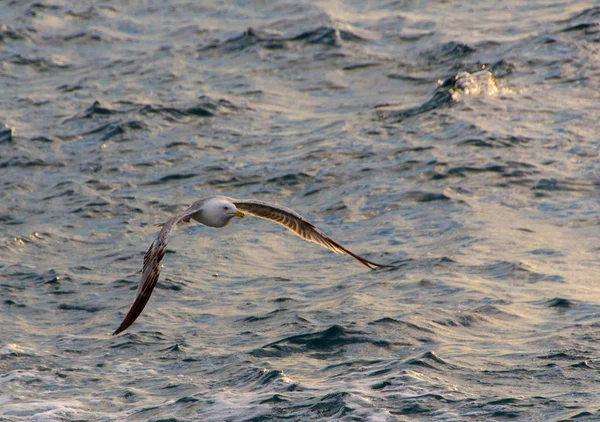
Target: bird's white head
<point>217,212</point>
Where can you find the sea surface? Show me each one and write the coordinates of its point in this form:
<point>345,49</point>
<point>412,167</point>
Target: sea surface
<point>457,141</point>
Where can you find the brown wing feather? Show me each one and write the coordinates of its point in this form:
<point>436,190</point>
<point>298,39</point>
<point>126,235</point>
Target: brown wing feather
<point>151,269</point>
<point>297,225</point>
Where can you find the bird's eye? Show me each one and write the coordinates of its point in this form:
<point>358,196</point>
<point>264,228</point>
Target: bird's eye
<point>225,208</point>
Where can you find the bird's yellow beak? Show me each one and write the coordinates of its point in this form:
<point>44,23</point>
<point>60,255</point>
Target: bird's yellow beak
<point>238,213</point>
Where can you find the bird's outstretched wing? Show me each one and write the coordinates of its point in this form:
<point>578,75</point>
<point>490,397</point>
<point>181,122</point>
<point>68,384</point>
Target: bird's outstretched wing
<point>298,225</point>
<point>151,268</point>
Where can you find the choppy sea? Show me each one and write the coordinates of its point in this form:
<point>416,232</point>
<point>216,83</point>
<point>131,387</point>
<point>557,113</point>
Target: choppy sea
<point>458,141</point>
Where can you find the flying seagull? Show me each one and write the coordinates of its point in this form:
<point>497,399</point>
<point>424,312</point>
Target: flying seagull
<point>217,211</point>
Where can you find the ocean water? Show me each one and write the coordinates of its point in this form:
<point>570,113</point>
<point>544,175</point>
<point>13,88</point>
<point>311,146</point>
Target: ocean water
<point>458,141</point>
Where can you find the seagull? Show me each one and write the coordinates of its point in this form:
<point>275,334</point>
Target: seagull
<point>217,211</point>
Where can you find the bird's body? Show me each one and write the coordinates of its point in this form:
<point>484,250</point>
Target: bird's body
<point>217,211</point>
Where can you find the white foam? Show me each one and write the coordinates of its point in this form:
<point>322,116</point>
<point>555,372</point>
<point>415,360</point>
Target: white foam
<point>14,349</point>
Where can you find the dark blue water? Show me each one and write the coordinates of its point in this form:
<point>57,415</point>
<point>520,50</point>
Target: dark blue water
<point>457,141</point>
